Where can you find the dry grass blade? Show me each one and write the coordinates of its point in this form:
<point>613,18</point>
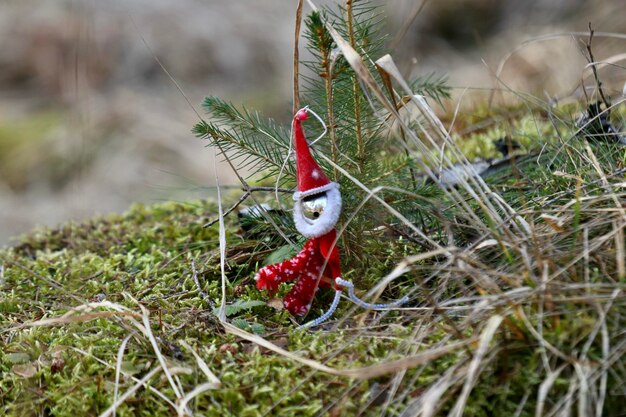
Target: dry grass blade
<point>408,21</point>
<point>403,267</point>
<point>67,319</point>
<point>357,373</point>
<point>129,376</point>
<point>118,369</point>
<point>71,317</point>
<point>427,404</point>
<point>605,367</point>
<point>598,168</point>
<point>563,409</point>
<point>296,58</point>
<point>620,249</point>
<point>473,370</point>
<point>157,351</point>
<point>544,389</point>
<point>141,383</point>
<point>199,389</point>
<point>201,364</point>
<point>583,372</point>
<point>602,315</point>
<point>222,237</point>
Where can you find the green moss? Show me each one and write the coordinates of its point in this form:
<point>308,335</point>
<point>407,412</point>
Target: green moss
<point>146,255</point>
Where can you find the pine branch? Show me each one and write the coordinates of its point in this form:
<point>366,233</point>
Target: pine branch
<point>356,141</point>
<point>257,144</point>
<point>433,86</point>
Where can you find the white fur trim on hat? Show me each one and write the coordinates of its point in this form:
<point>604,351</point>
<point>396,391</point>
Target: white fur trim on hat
<point>299,195</point>
<point>327,221</point>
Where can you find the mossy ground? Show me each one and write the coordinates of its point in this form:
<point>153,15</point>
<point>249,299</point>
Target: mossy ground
<point>144,257</point>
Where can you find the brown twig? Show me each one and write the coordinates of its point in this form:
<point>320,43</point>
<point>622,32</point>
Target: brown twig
<point>356,89</point>
<point>593,67</point>
<point>386,78</point>
<point>248,192</point>
<point>296,58</point>
<point>328,82</point>
<point>204,295</point>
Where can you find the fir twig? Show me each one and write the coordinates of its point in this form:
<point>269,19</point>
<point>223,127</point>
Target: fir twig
<point>433,86</point>
<point>258,144</point>
<point>592,62</point>
<point>356,90</point>
<point>296,58</point>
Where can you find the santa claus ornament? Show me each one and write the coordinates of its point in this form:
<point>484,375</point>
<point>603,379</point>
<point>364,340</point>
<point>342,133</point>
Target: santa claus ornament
<point>317,206</point>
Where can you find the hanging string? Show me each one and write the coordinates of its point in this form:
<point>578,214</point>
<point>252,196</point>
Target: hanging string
<point>319,119</point>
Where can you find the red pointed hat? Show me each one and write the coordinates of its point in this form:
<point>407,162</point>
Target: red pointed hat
<point>311,182</point>
<point>311,178</point>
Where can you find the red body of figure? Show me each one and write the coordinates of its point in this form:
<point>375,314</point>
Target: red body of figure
<point>306,268</point>
<point>319,257</point>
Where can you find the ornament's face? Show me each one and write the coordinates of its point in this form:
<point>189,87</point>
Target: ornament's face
<point>316,214</point>
<point>313,207</point>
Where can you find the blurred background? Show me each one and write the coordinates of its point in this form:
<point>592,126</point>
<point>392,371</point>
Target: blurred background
<point>90,120</point>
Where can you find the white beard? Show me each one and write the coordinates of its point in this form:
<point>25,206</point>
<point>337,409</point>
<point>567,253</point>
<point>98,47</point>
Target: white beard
<point>327,220</point>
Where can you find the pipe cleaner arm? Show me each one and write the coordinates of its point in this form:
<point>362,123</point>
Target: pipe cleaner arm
<point>271,276</point>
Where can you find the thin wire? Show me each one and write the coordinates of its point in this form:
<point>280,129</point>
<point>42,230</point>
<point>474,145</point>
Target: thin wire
<point>319,119</point>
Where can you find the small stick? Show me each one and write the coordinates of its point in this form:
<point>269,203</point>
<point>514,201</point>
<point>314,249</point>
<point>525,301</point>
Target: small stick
<point>356,90</point>
<point>296,58</point>
<point>230,210</point>
<point>593,67</point>
<point>197,282</point>
<point>243,198</point>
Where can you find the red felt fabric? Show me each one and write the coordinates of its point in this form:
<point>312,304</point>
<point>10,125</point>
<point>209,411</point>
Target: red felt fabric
<point>306,269</point>
<point>309,173</point>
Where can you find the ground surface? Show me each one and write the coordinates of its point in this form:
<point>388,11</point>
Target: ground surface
<point>79,301</point>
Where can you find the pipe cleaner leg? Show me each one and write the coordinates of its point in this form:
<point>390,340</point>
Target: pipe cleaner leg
<point>331,310</point>
<point>356,300</point>
<point>298,300</point>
